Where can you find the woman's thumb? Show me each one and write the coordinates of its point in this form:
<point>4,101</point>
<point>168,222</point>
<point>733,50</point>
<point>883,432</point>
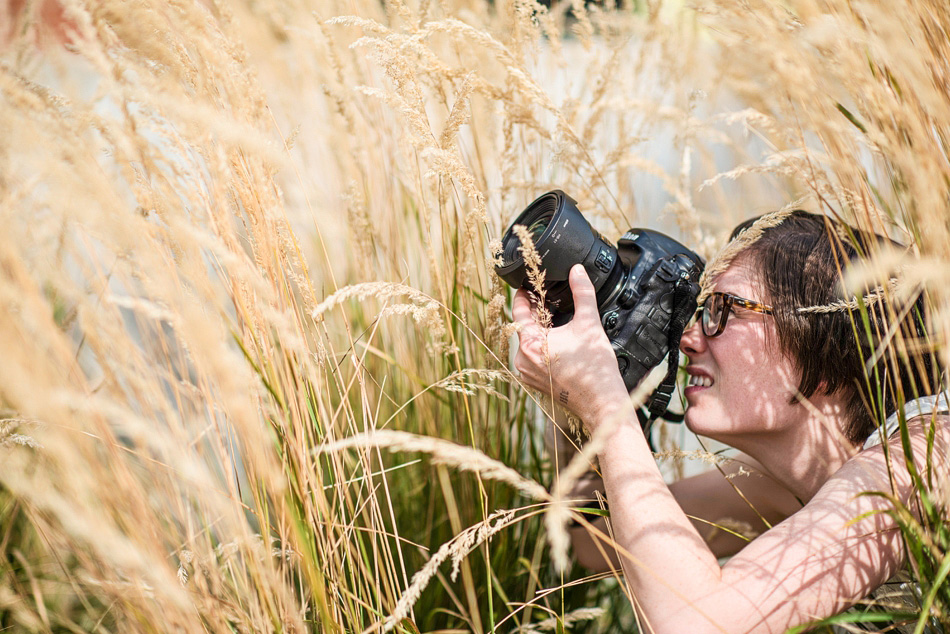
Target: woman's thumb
<point>585,297</point>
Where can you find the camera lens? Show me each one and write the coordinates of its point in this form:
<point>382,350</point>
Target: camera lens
<point>537,228</point>
<point>562,238</point>
<point>638,283</point>
<point>537,218</point>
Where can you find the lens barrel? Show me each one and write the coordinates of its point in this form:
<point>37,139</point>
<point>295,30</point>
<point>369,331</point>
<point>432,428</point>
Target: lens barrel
<point>562,237</point>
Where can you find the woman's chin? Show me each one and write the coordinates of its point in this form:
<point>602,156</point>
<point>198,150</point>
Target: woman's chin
<point>702,423</point>
<point>690,420</point>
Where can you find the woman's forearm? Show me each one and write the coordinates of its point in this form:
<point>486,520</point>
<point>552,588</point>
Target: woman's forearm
<point>667,563</point>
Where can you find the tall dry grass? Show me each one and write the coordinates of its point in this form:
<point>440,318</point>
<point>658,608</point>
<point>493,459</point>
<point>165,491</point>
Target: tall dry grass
<point>237,234</point>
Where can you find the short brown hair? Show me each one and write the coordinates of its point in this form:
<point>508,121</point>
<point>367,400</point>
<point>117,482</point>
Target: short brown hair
<point>802,260</point>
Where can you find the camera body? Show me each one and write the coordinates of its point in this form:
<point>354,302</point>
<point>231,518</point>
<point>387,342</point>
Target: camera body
<point>638,319</point>
<point>646,286</point>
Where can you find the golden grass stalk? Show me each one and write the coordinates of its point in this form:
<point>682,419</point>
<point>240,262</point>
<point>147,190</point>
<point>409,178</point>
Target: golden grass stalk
<point>200,201</point>
<point>457,549</point>
<point>440,452</point>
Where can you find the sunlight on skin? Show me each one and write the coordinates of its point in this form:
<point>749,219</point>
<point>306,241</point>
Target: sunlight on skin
<point>816,562</point>
<point>751,404</point>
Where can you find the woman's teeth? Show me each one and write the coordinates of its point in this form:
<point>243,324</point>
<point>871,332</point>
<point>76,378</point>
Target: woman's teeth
<point>701,381</point>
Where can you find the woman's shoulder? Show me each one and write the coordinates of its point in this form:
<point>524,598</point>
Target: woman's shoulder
<point>881,466</point>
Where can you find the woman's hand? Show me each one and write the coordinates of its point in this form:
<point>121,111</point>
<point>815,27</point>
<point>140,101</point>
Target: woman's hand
<point>577,366</point>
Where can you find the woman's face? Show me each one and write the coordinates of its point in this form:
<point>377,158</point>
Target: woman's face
<point>739,381</point>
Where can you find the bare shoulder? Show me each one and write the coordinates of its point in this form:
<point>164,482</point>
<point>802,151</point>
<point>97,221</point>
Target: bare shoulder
<point>844,542</point>
<point>889,466</point>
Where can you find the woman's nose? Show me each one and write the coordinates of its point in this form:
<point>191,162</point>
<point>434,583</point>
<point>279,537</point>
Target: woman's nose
<point>693,340</point>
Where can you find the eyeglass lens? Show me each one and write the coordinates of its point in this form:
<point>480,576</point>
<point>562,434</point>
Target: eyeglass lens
<point>712,314</point>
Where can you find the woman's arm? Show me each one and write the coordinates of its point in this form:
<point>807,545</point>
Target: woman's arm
<point>740,498</point>
<point>817,562</point>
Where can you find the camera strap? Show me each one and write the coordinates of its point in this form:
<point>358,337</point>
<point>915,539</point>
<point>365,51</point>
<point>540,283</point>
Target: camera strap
<point>683,308</point>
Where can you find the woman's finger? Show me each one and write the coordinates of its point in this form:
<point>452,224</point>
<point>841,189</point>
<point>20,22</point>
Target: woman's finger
<point>521,310</point>
<point>523,314</point>
<point>585,297</point>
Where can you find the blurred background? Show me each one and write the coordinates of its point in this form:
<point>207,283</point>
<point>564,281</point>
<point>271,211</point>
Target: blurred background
<point>235,234</point>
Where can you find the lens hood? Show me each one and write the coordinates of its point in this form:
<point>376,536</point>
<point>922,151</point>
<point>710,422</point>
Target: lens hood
<point>562,237</point>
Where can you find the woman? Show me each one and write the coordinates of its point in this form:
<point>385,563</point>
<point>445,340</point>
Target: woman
<point>785,387</point>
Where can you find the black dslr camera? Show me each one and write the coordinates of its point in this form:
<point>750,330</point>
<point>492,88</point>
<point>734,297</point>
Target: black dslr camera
<point>646,286</point>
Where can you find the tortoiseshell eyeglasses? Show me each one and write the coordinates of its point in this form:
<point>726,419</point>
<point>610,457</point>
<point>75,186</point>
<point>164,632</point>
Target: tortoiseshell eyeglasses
<point>716,309</point>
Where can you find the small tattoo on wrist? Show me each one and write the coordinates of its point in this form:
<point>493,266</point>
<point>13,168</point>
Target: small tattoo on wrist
<point>563,397</point>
